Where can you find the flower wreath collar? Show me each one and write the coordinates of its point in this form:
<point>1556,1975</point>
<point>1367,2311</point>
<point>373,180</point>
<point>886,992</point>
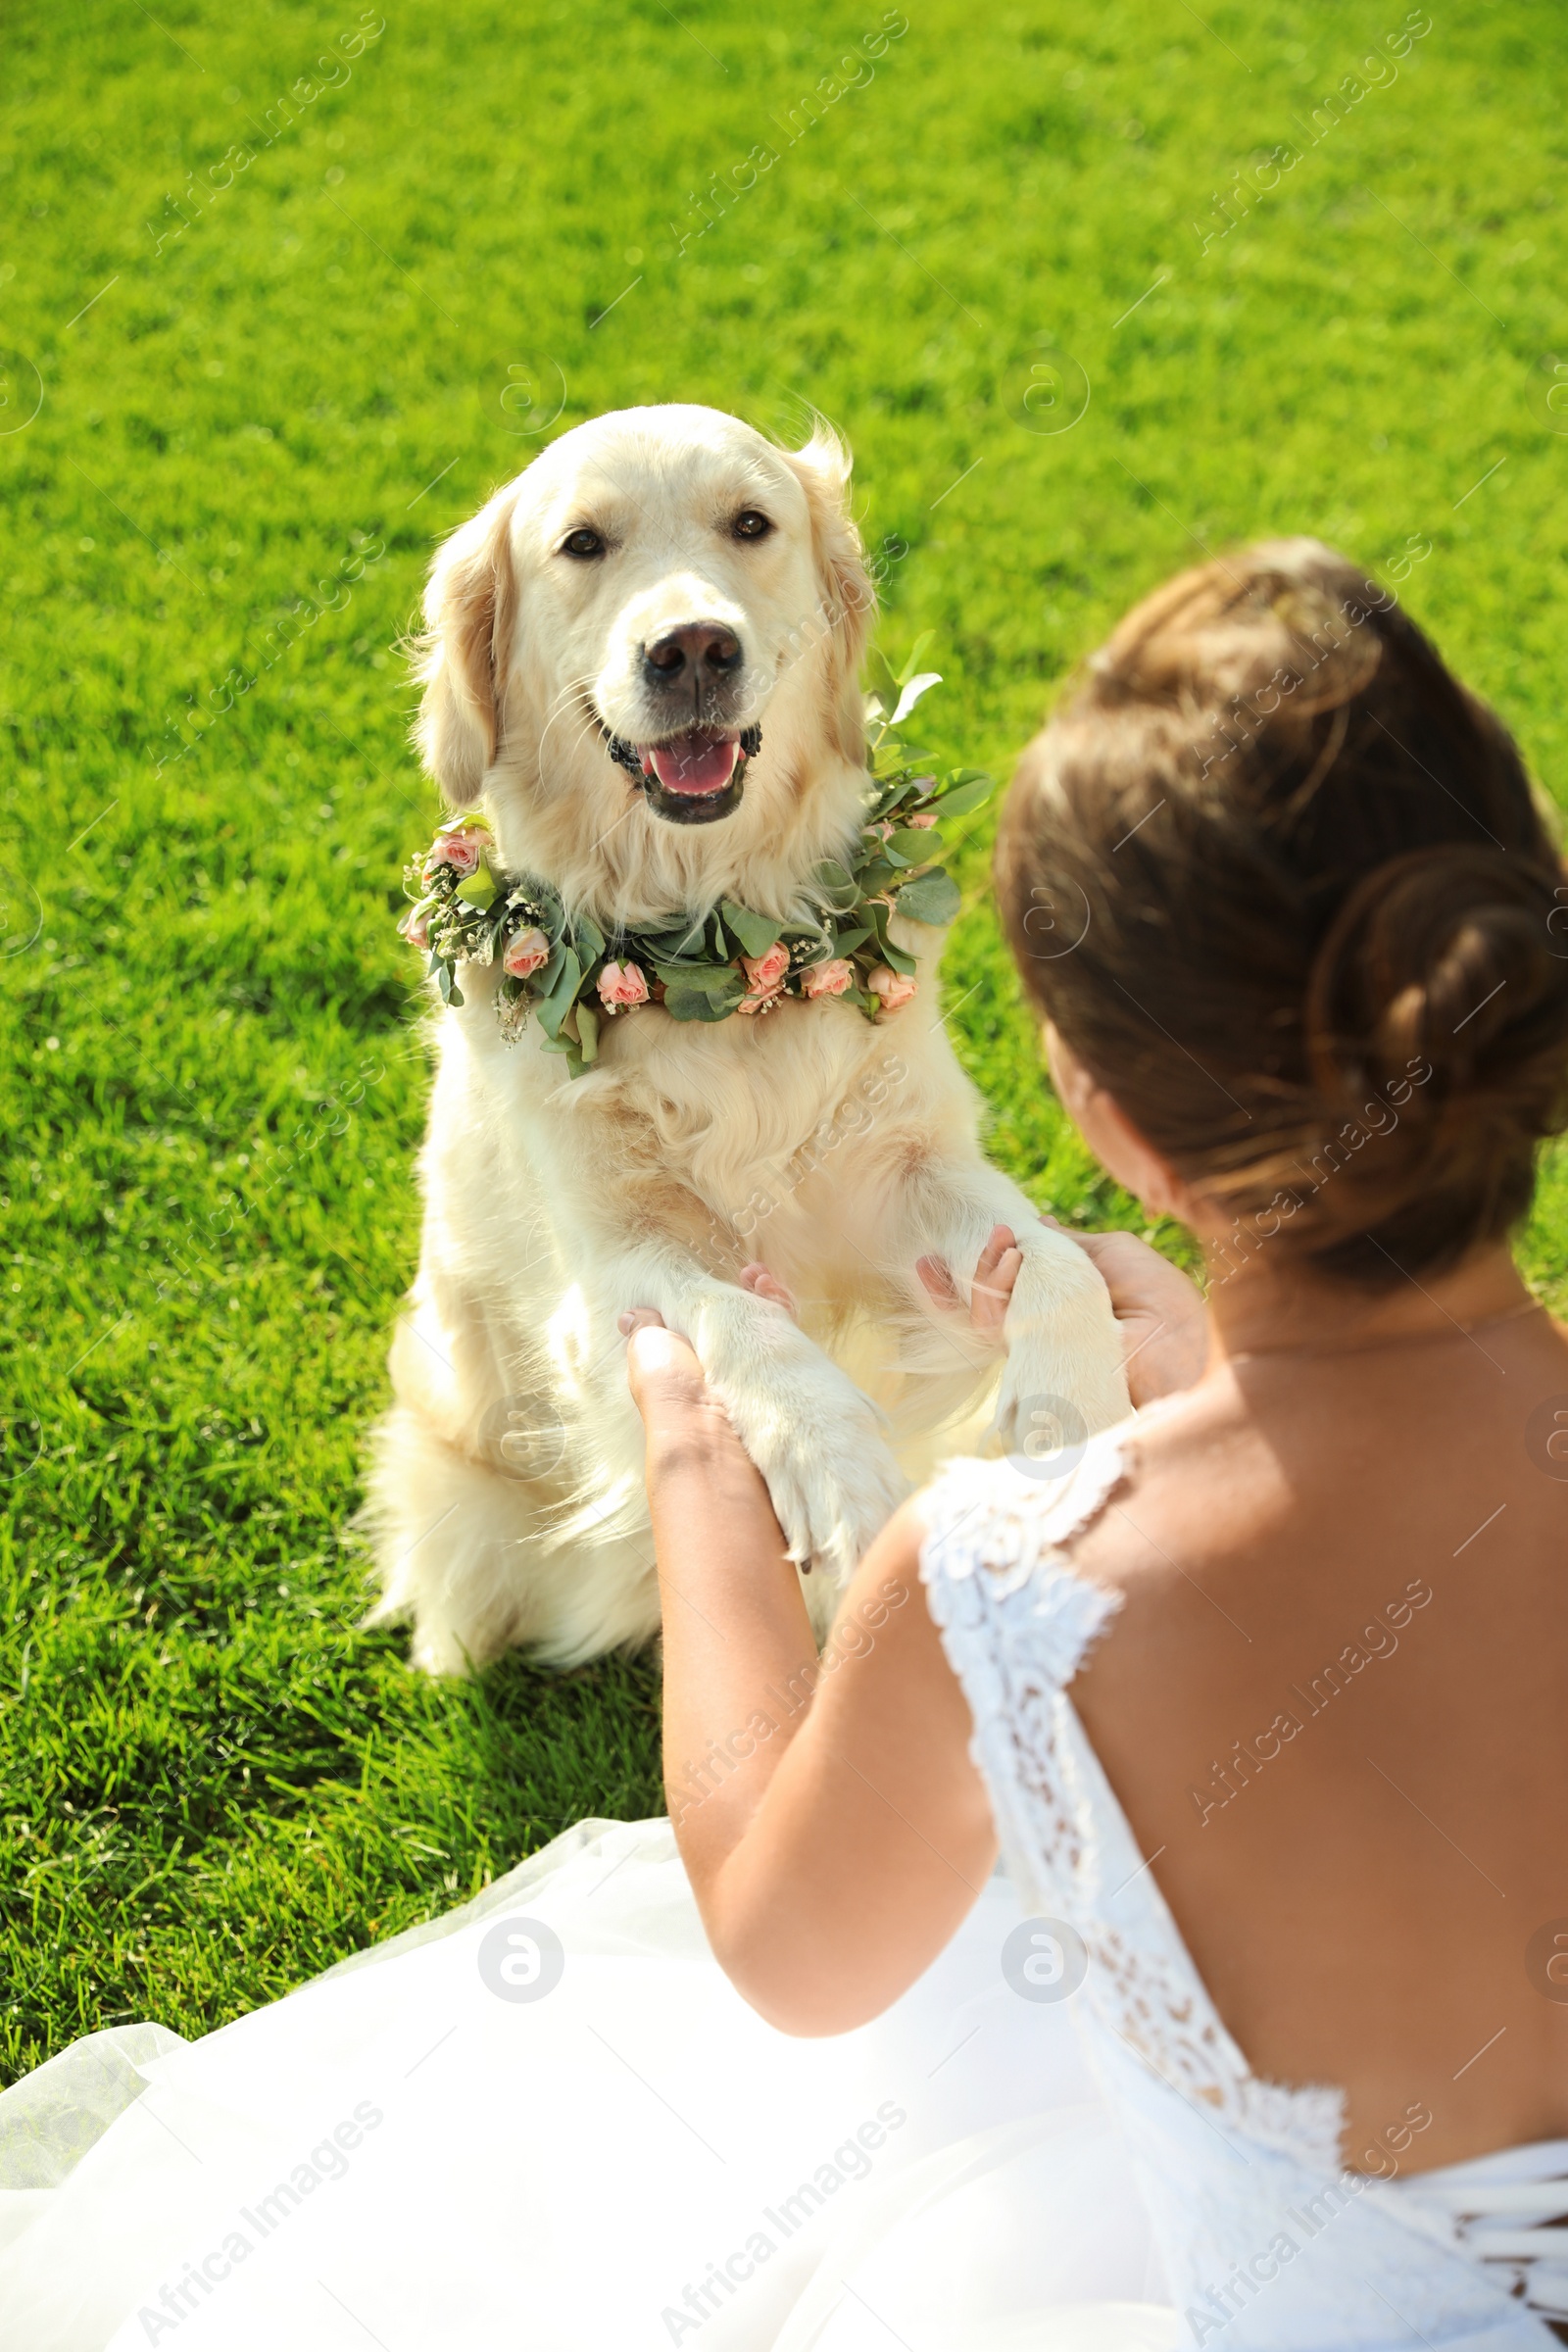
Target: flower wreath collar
<point>573,975</point>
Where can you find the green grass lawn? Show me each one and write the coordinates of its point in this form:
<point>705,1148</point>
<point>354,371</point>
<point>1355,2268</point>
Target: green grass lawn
<point>256,409</point>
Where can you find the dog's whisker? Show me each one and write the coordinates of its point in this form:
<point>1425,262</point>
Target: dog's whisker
<point>567,694</point>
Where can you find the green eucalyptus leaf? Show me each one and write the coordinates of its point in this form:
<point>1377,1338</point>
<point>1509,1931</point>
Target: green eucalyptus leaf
<point>661,946</point>
<point>757,933</point>
<point>917,843</point>
<point>836,883</point>
<point>698,1005</point>
<point>915,656</point>
<point>933,899</point>
<point>964,797</point>
<point>883,685</point>
<point>555,1008</point>
<point>692,938</point>
<point>689,975</point>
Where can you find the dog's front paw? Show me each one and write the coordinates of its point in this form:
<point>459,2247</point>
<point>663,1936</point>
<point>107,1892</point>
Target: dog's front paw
<point>834,1484</point>
<point>1064,1375</point>
<point>816,1439</point>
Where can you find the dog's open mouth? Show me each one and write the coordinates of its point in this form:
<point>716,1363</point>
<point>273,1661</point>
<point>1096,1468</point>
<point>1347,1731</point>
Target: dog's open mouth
<point>697,764</point>
<point>692,778</point>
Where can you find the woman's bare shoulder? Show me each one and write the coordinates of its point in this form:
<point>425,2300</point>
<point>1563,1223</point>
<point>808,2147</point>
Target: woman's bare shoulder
<point>1197,1481</point>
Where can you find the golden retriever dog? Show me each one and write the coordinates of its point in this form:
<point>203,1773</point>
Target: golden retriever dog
<point>643,657</point>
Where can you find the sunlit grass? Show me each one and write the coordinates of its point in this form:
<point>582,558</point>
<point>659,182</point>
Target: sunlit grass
<point>212,1782</point>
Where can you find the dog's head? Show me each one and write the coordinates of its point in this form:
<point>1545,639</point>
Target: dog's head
<point>645,654</point>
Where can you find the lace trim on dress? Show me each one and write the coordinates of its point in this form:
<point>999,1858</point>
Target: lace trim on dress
<point>1016,1623</point>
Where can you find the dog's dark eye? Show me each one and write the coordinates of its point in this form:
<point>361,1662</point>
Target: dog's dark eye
<point>582,543</point>
<point>750,524</point>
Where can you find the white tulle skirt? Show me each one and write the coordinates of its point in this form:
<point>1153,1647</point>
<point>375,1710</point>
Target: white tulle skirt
<point>548,2123</point>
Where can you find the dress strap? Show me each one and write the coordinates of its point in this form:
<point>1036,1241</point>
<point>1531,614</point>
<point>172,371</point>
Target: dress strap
<point>1016,1623</point>
<point>1014,1523</point>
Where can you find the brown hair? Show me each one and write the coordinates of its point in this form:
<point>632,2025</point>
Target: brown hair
<point>1281,883</point>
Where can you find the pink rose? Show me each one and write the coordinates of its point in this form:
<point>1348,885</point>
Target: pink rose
<point>893,987</point>
<point>414,929</point>
<point>622,984</point>
<point>766,976</point>
<point>766,972</point>
<point>926,818</point>
<point>460,846</point>
<point>829,979</point>
<point>526,952</point>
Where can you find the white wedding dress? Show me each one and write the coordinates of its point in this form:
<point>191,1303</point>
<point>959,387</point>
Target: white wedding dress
<point>547,2123</point>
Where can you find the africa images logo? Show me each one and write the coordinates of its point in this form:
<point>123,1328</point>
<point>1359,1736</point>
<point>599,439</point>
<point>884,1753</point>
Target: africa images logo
<point>852,2161</point>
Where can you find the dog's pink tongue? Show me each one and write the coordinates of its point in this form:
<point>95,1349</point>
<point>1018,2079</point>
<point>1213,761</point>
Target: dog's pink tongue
<point>695,762</point>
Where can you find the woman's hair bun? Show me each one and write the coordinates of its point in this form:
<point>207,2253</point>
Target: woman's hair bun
<point>1448,956</point>
<point>1443,981</point>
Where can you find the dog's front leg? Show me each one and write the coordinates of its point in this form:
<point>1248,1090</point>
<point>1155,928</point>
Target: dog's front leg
<point>1064,1354</point>
<point>816,1439</point>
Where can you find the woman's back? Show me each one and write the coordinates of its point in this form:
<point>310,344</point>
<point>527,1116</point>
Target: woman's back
<point>1332,1707</point>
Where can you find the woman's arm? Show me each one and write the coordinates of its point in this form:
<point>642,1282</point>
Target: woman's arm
<point>832,1822</point>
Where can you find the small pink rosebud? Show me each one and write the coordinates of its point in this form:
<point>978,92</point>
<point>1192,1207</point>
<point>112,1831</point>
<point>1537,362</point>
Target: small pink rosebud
<point>415,929</point>
<point>891,987</point>
<point>621,984</point>
<point>526,952</point>
<point>766,972</point>
<point>924,819</point>
<point>462,848</point>
<point>883,829</point>
<point>829,979</point>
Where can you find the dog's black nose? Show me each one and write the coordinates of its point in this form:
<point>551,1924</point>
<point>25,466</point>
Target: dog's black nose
<point>704,649</point>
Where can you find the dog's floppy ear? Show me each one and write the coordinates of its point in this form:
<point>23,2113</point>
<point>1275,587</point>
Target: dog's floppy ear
<point>470,603</point>
<point>848,597</point>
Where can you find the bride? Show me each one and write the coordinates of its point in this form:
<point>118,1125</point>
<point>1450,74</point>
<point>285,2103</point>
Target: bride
<point>1261,2037</point>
